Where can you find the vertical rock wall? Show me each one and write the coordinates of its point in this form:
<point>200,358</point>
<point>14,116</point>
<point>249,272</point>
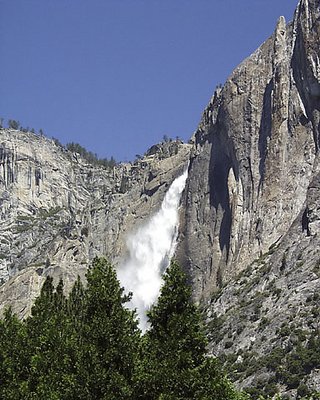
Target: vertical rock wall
<point>255,154</point>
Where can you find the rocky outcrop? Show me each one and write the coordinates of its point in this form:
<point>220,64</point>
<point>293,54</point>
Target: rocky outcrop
<point>264,322</point>
<point>255,155</point>
<point>251,220</point>
<point>58,211</point>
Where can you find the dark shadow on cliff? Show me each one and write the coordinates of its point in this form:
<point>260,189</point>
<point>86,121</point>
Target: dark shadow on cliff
<point>307,84</point>
<point>265,129</point>
<point>220,165</point>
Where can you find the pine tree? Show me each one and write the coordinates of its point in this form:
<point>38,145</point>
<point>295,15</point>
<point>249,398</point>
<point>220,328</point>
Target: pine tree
<point>80,347</point>
<point>53,342</point>
<point>88,346</point>
<point>14,358</point>
<point>110,336</point>
<point>174,365</point>
<point>13,124</point>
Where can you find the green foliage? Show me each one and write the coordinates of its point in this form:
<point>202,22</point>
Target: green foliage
<point>173,362</point>
<point>89,156</point>
<point>13,124</point>
<point>87,346</point>
<point>110,336</point>
<point>14,356</point>
<point>80,347</point>
<point>57,142</point>
<point>300,362</point>
<point>287,367</point>
<point>52,341</point>
<point>73,147</point>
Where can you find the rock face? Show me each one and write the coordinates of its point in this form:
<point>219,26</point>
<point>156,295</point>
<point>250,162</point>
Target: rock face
<point>256,153</point>
<point>58,212</point>
<point>251,220</point>
<point>249,229</point>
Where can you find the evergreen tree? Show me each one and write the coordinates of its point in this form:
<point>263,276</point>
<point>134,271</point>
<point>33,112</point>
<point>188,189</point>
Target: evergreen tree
<point>13,124</point>
<point>14,357</point>
<point>110,337</point>
<point>53,342</point>
<point>80,347</point>
<point>88,346</point>
<point>174,364</point>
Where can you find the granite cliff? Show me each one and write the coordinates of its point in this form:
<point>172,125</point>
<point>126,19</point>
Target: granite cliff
<point>251,215</point>
<point>58,211</point>
<point>249,229</point>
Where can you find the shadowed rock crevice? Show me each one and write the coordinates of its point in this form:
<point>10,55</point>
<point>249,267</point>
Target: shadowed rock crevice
<point>221,162</point>
<point>265,128</point>
<point>305,221</point>
<point>305,62</point>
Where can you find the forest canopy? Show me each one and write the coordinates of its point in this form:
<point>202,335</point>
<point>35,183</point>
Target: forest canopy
<point>88,345</point>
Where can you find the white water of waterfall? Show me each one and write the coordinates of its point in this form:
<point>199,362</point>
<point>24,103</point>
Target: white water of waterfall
<point>150,249</point>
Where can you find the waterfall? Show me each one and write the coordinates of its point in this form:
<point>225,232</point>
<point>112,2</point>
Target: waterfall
<point>150,249</point>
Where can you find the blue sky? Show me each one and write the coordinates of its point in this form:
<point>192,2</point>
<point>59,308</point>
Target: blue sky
<point>118,75</point>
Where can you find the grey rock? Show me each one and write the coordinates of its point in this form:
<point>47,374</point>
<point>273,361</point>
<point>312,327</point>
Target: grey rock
<point>255,154</point>
<point>58,212</point>
<point>250,229</point>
